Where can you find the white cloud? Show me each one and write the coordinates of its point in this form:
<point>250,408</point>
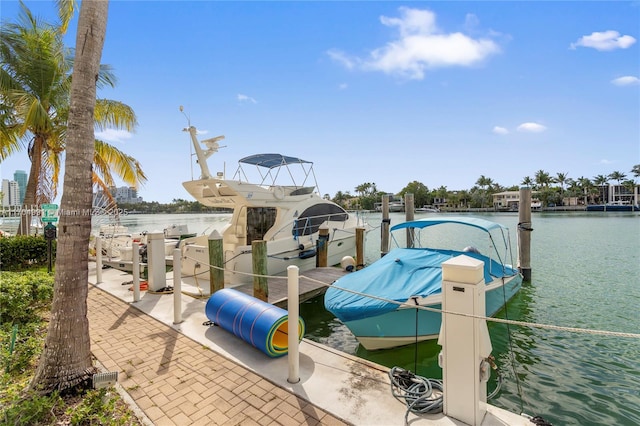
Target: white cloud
<point>343,86</point>
<point>531,128</point>
<point>113,135</point>
<point>342,58</point>
<point>627,80</point>
<point>500,130</point>
<point>245,98</point>
<point>606,40</point>
<point>421,45</point>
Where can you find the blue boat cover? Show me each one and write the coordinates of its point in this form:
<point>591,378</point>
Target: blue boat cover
<point>399,275</point>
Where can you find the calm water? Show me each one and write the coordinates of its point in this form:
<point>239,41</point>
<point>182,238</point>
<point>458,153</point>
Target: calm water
<point>585,273</point>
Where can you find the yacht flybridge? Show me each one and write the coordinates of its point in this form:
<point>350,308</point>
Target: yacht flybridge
<point>283,207</point>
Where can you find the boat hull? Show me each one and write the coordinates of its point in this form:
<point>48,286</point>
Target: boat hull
<point>612,208</point>
<point>398,328</point>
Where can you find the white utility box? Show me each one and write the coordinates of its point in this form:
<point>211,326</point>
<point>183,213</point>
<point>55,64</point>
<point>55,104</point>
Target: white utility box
<point>465,340</point>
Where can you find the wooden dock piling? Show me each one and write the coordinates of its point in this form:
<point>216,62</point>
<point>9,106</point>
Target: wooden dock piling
<point>359,248</point>
<point>409,211</point>
<point>259,259</point>
<point>323,247</point>
<point>384,228</point>
<point>524,233</point>
<point>216,262</point>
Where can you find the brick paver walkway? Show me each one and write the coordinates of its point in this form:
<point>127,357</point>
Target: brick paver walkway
<point>177,381</point>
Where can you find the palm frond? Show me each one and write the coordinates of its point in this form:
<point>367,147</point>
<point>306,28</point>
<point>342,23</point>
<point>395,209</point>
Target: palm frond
<point>109,113</point>
<point>128,169</point>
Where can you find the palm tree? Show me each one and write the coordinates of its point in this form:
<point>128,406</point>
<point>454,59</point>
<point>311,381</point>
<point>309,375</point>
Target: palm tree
<point>601,181</point>
<point>543,179</point>
<point>618,177</point>
<point>527,181</point>
<point>66,362</point>
<point>588,189</point>
<point>561,178</point>
<point>630,186</point>
<point>484,183</point>
<point>35,82</point>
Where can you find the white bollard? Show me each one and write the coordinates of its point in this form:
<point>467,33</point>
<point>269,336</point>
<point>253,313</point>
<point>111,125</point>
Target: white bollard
<point>135,270</point>
<point>294,313</point>
<point>98,259</point>
<point>156,263</point>
<point>465,340</point>
<point>177,286</point>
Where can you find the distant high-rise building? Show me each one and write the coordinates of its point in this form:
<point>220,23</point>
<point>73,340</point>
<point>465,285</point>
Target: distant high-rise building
<point>10,193</point>
<point>123,194</point>
<point>20,176</point>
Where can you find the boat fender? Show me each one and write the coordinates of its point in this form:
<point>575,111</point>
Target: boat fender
<point>348,263</point>
<point>306,254</point>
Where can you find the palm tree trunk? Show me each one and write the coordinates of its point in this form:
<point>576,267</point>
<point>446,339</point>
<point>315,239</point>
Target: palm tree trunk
<point>66,362</point>
<point>29,202</point>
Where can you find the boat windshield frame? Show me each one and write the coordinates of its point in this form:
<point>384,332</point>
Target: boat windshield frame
<point>479,223</point>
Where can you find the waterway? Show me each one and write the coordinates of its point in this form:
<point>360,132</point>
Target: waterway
<point>585,274</point>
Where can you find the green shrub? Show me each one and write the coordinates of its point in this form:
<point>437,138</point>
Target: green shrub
<point>98,407</point>
<point>19,358</point>
<point>24,251</point>
<point>22,294</point>
<point>32,410</point>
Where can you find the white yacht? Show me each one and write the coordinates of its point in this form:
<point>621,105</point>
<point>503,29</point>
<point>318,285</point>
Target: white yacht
<point>283,208</point>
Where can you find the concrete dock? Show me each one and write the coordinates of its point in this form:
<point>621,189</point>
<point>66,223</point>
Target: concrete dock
<point>194,374</point>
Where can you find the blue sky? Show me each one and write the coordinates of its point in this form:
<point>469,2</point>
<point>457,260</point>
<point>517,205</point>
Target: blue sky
<point>381,92</point>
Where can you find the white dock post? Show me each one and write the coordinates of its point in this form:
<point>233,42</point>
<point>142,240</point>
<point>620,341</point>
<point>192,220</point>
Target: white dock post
<point>135,270</point>
<point>294,313</point>
<point>177,287</point>
<point>465,341</point>
<point>156,264</point>
<point>98,259</point>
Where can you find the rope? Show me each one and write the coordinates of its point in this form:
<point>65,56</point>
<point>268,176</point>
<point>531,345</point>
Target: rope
<point>499,320</point>
<point>416,391</point>
<point>426,308</point>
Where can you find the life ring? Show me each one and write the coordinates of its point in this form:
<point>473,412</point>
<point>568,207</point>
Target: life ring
<point>278,192</point>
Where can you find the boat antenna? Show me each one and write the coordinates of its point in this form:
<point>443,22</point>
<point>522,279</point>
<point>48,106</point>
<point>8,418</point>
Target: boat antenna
<point>190,147</point>
<point>211,144</point>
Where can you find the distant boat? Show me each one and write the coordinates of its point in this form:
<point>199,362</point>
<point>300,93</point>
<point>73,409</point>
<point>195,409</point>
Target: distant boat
<point>379,308</point>
<point>612,207</point>
<point>428,209</point>
<point>396,206</point>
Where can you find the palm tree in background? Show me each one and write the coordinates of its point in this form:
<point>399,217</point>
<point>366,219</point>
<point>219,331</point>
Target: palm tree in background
<point>589,189</point>
<point>601,181</point>
<point>561,178</point>
<point>484,183</point>
<point>527,181</point>
<point>543,179</point>
<point>35,84</point>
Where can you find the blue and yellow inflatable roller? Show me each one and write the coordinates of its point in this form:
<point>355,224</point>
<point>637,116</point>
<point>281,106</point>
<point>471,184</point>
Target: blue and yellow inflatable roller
<point>261,324</point>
